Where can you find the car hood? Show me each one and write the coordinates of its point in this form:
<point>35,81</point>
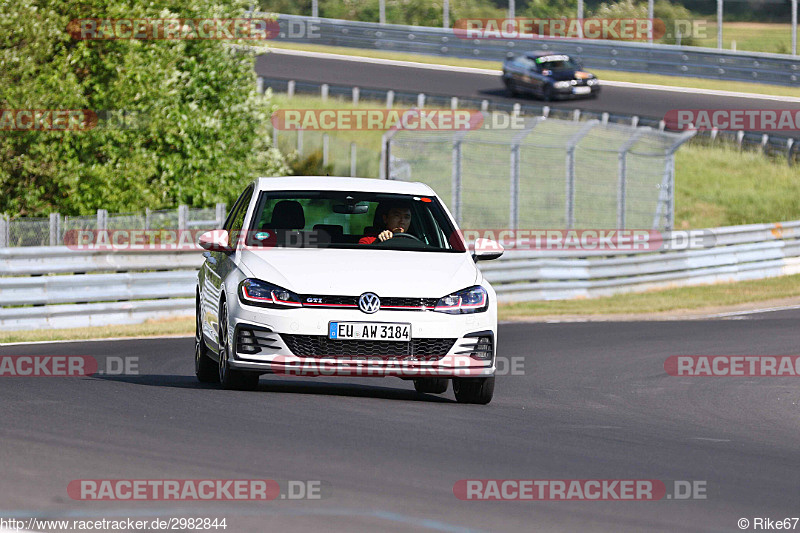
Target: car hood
<point>353,272</point>
<point>566,75</point>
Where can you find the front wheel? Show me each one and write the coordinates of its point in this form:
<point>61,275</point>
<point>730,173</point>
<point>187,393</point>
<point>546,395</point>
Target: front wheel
<point>229,378</point>
<point>474,390</point>
<point>547,93</point>
<point>204,367</point>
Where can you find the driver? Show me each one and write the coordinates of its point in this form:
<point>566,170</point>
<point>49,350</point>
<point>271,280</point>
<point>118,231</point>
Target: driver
<point>397,219</point>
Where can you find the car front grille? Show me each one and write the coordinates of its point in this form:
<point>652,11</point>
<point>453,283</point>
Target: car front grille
<point>397,303</point>
<point>322,346</point>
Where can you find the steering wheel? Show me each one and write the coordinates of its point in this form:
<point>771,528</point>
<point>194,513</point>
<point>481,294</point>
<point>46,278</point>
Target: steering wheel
<point>407,235</point>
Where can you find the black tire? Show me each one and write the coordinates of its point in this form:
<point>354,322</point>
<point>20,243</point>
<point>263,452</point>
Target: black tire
<point>511,86</point>
<point>547,93</point>
<point>229,378</point>
<point>204,367</point>
<point>431,385</point>
<point>474,390</point>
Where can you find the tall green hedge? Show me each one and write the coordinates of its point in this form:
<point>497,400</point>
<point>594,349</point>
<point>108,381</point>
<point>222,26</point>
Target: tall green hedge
<point>199,131</point>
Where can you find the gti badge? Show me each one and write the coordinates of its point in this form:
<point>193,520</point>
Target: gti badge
<point>369,302</point>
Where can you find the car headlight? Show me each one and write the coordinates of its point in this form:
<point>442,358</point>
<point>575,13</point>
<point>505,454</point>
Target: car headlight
<point>592,81</point>
<point>472,300</point>
<point>263,294</point>
<point>561,84</point>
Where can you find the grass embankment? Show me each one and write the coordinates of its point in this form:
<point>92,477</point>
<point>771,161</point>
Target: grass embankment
<point>151,328</point>
<point>697,299</point>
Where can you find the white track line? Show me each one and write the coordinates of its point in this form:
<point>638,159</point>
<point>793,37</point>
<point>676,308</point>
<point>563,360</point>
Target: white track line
<point>754,311</point>
<point>491,72</point>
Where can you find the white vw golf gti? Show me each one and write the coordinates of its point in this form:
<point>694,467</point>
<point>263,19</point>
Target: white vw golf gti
<point>345,277</point>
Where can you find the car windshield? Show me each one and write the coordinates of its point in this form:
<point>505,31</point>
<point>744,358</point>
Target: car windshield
<point>341,219</point>
<point>555,63</point>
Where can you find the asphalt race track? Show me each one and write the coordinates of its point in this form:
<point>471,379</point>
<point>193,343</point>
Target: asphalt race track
<point>593,402</point>
<point>622,100</point>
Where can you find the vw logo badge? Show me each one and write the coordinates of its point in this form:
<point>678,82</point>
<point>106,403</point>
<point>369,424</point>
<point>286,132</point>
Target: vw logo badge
<point>369,302</point>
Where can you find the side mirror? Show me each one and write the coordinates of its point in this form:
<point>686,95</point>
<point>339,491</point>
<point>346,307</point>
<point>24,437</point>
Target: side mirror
<point>486,250</point>
<point>215,241</point>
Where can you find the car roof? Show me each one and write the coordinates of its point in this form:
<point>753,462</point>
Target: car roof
<point>331,183</point>
<point>540,53</point>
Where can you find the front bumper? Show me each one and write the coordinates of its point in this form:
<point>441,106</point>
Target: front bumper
<point>566,93</point>
<point>266,341</point>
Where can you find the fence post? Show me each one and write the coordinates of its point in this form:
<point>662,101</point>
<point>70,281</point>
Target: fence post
<point>622,176</point>
<point>290,88</point>
<point>513,219</point>
<point>456,179</point>
<point>300,142</point>
<point>352,159</point>
<point>102,219</point>
<point>4,231</point>
<point>356,95</point>
<point>325,148</point>
<point>421,100</point>
<point>260,85</point>
<point>570,178</point>
<point>389,99</point>
<point>453,103</point>
<point>220,212</point>
<point>55,229</point>
<point>384,170</point>
<point>147,214</point>
<point>274,136</point>
<point>484,105</point>
<point>183,216</point>
<point>324,91</point>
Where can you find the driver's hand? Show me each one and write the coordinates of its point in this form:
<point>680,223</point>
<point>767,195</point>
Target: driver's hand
<point>385,235</point>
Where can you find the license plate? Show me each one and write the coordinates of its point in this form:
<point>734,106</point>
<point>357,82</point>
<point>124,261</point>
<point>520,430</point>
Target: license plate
<point>370,331</point>
<point>581,90</point>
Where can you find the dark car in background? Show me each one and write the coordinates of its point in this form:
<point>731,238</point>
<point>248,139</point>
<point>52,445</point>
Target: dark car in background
<point>550,76</point>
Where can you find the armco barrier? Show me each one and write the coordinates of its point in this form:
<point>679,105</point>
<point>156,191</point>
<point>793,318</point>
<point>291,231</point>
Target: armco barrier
<point>37,290</point>
<point>778,69</point>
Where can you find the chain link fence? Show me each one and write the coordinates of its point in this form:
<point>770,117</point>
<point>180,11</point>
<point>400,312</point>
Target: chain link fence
<point>549,173</point>
<point>50,231</point>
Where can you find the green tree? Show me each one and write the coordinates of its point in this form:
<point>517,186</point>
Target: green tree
<point>200,130</point>
<point>662,9</point>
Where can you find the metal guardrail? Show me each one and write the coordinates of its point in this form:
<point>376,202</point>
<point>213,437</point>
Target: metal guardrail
<point>770,144</point>
<point>777,69</point>
<point>129,287</point>
<point>44,231</point>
